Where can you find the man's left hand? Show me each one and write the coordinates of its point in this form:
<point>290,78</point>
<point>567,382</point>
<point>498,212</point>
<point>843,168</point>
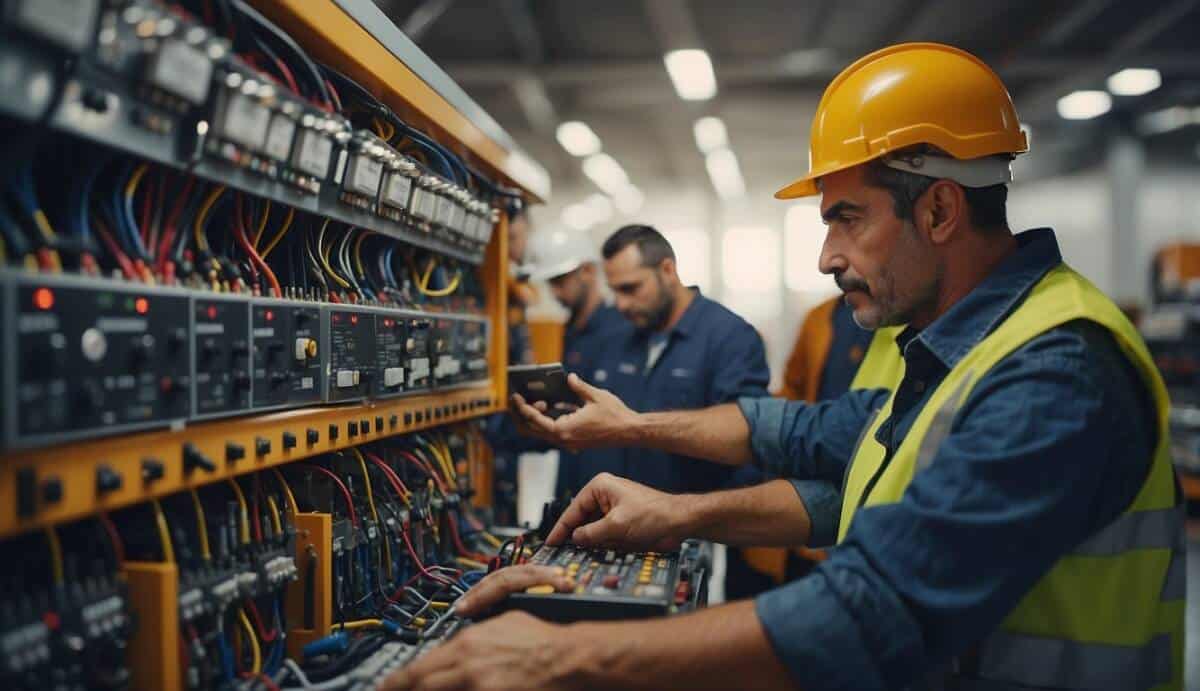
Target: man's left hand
<point>514,651</point>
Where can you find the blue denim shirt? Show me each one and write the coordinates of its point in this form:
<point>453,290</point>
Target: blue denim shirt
<point>712,356</point>
<point>1051,445</point>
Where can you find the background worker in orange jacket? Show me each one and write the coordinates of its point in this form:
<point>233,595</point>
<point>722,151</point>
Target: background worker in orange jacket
<point>828,350</point>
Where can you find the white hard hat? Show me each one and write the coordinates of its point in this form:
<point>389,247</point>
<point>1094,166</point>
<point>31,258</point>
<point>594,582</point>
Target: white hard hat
<point>559,252</point>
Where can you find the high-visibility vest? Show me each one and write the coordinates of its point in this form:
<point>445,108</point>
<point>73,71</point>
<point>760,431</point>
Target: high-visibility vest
<point>883,367</point>
<point>1110,613</point>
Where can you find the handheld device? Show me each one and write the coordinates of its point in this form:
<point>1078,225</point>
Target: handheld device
<point>546,383</point>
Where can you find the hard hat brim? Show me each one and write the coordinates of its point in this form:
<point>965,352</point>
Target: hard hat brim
<point>545,273</point>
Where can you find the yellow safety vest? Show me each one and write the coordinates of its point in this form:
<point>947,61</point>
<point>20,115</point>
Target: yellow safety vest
<point>882,368</point>
<point>1109,614</point>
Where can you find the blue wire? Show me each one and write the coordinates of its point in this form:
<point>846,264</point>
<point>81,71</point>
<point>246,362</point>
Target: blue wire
<point>226,656</point>
<point>131,221</point>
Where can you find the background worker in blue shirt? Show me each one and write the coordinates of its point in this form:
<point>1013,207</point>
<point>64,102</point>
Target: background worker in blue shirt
<point>1011,519</point>
<point>677,350</point>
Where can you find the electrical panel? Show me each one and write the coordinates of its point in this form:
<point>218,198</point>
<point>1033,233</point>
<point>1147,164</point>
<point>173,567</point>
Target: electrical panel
<point>246,320</point>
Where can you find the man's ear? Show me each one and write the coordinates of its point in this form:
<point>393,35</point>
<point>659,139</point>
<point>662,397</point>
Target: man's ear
<point>668,269</point>
<point>941,211</point>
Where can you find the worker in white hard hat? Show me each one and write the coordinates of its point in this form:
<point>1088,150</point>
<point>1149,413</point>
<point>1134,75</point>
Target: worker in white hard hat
<point>1010,519</point>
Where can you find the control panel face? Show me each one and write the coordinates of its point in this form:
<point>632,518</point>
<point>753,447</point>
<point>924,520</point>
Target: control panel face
<point>93,357</point>
<point>418,347</point>
<point>287,353</point>
<point>350,356</point>
<point>391,358</point>
<point>221,343</point>
<point>447,365</point>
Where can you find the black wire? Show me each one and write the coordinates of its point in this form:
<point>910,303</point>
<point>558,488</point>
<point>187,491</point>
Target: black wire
<point>314,73</point>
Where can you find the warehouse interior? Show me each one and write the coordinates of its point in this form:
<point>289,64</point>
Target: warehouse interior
<point>564,344</point>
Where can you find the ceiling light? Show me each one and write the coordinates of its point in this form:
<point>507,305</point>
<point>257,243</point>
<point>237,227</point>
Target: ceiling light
<point>710,134</point>
<point>1134,81</point>
<point>604,170</point>
<point>577,138</point>
<point>725,173</point>
<point>629,200</point>
<point>1084,105</point>
<point>600,206</point>
<point>691,72</point>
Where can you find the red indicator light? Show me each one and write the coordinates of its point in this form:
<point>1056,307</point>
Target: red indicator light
<point>141,305</point>
<point>212,311</point>
<point>336,318</point>
<point>43,298</point>
<point>354,319</point>
<point>270,315</point>
<point>387,323</point>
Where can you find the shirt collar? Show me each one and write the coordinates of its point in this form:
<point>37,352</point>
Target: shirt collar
<point>690,317</point>
<point>951,336</point>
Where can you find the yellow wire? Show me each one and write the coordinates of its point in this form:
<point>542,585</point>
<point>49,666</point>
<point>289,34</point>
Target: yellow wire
<point>3,251</point>
<point>361,624</point>
<point>30,262</point>
<point>287,223</point>
<point>387,550</point>
<point>358,253</point>
<point>287,491</point>
<point>443,460</point>
<point>202,526</point>
<point>493,540</point>
<point>262,224</point>
<point>275,515</point>
<point>471,563</point>
<point>198,225</point>
<point>164,534</point>
<point>255,652</point>
<point>56,557</point>
<point>245,511</point>
<point>324,254</point>
<point>43,225</point>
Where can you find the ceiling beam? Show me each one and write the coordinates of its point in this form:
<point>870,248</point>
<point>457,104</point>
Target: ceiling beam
<point>817,65</point>
<point>1122,53</point>
<point>423,17</point>
<point>1069,22</point>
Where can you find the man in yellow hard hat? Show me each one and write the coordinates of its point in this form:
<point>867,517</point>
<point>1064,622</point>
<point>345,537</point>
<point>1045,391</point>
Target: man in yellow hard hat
<point>1010,518</point>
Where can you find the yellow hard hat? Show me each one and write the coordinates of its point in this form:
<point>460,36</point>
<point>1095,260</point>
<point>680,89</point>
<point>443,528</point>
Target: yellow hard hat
<point>908,94</point>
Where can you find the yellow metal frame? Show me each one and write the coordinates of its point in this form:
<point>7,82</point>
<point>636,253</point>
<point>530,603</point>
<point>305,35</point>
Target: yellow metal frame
<point>154,599</point>
<point>315,530</point>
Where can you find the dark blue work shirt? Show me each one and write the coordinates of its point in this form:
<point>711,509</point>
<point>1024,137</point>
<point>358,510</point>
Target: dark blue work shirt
<point>712,356</point>
<point>1051,445</point>
<point>584,347</point>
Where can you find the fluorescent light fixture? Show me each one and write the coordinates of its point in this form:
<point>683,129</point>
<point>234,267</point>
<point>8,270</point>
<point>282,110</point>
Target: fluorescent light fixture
<point>1134,81</point>
<point>803,237</point>
<point>578,217</point>
<point>691,72</point>
<point>600,206</point>
<point>1084,105</point>
<point>629,200</point>
<point>604,170</point>
<point>692,256</point>
<point>1168,119</point>
<point>725,174</point>
<point>577,138</point>
<point>710,134</point>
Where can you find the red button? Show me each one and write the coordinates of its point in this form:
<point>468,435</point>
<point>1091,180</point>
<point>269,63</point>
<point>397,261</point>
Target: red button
<point>612,581</point>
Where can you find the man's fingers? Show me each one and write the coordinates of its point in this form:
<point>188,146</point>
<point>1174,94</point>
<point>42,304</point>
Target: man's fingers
<point>585,505</point>
<point>584,390</point>
<point>499,585</point>
<point>597,533</point>
<point>533,417</point>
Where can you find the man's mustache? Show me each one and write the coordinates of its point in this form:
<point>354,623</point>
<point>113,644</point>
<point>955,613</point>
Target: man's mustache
<point>849,284</point>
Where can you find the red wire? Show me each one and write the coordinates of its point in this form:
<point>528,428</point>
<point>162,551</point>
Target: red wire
<point>262,632</point>
<point>115,250</point>
<point>428,471</point>
<point>118,545</point>
<point>287,75</point>
<point>240,233</point>
<point>169,231</point>
<point>458,543</point>
<point>333,92</point>
<point>341,486</point>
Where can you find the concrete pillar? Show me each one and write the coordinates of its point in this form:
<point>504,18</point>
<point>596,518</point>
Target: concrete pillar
<point>1125,164</point>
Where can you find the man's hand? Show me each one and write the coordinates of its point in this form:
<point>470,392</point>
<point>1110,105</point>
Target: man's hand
<point>615,512</point>
<point>512,652</point>
<point>602,420</point>
<point>500,584</point>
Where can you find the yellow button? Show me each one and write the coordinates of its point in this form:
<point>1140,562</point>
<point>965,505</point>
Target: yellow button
<point>643,579</point>
<point>540,589</point>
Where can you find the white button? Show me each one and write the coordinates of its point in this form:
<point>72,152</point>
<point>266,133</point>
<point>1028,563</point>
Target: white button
<point>94,345</point>
<point>347,378</point>
<point>393,376</point>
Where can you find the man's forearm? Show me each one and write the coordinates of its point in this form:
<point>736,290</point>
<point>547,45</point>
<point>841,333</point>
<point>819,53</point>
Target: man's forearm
<point>720,648</point>
<point>766,515</point>
<point>719,434</point>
